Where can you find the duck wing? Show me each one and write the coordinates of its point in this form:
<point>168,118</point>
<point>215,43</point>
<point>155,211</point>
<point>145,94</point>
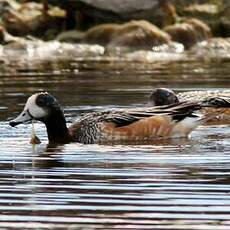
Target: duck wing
<point>216,102</point>
<point>177,112</point>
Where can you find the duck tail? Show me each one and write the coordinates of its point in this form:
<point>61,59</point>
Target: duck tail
<point>205,118</point>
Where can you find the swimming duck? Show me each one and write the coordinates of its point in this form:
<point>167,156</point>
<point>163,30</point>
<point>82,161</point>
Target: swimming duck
<point>214,102</point>
<point>162,96</point>
<point>170,121</point>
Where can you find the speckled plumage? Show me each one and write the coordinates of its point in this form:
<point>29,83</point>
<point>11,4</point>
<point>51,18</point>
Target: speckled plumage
<point>131,125</point>
<point>202,95</point>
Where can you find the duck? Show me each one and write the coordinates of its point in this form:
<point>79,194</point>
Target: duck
<point>214,102</point>
<point>138,124</point>
<point>162,96</point>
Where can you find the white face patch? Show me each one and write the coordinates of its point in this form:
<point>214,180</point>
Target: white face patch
<point>33,108</point>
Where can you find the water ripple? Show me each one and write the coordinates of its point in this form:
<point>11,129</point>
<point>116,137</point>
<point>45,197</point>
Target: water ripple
<point>167,184</point>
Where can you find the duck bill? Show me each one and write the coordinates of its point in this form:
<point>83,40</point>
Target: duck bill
<point>23,117</point>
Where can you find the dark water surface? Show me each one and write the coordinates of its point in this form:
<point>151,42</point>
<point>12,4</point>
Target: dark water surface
<point>178,184</point>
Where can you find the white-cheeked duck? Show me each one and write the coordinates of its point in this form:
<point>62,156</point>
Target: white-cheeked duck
<point>139,124</point>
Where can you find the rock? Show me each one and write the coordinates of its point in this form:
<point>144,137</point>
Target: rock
<point>139,34</point>
<point>123,9</point>
<point>203,31</point>
<point>183,33</point>
<point>101,34</point>
<point>93,12</point>
<point>189,32</point>
<point>83,14</point>
<point>6,5</point>
<point>208,11</point>
<point>202,10</point>
<point>31,18</point>
<point>181,5</point>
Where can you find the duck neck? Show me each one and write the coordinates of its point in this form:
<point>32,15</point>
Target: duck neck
<point>57,130</point>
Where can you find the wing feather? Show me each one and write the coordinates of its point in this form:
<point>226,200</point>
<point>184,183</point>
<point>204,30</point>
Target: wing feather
<point>216,102</point>
<point>178,111</point>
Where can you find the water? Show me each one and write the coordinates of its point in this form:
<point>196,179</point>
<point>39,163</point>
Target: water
<point>173,184</point>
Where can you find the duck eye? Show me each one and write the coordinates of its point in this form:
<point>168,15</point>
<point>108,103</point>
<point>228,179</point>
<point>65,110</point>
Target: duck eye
<point>167,94</point>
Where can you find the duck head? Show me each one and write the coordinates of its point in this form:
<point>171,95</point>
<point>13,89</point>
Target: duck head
<point>38,107</point>
<point>162,96</point>
<point>45,108</point>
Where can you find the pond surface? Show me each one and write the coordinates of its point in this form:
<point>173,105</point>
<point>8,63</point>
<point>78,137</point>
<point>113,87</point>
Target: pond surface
<point>177,184</point>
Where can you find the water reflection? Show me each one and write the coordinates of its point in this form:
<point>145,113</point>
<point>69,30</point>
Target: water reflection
<point>168,184</point>
<point>172,181</point>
